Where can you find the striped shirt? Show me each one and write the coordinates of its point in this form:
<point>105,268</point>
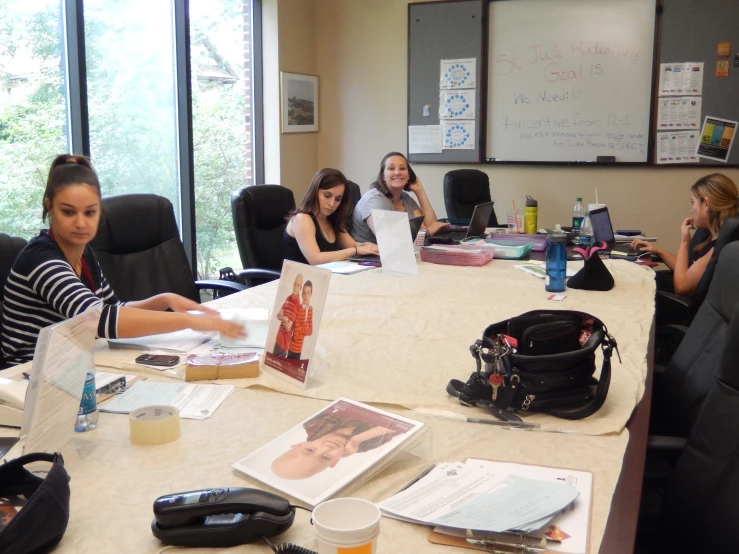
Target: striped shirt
<point>42,289</point>
<point>303,328</point>
<point>289,310</point>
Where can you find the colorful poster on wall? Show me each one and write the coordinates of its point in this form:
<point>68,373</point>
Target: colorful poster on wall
<point>716,139</point>
<point>458,74</point>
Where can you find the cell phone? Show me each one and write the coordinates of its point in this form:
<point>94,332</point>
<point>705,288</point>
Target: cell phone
<point>164,360</point>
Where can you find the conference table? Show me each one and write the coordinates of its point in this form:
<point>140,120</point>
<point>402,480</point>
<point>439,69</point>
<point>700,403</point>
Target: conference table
<point>394,342</point>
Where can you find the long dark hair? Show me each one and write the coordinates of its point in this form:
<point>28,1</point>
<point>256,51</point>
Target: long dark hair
<point>324,179</point>
<point>66,170</point>
<point>722,196</point>
<point>379,183</point>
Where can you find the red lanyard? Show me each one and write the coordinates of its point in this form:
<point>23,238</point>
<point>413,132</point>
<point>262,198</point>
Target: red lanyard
<point>83,266</point>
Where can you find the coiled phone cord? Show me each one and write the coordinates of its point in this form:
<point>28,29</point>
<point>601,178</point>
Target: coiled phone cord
<point>289,548</point>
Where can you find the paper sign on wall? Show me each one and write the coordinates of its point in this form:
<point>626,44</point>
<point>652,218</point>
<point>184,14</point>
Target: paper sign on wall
<point>457,104</point>
<point>459,135</point>
<point>458,74</point>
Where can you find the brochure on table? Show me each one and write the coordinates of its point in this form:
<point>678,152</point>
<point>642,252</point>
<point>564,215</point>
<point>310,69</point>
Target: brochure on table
<point>393,232</point>
<point>296,316</point>
<point>61,360</point>
<point>498,499</point>
<point>341,445</point>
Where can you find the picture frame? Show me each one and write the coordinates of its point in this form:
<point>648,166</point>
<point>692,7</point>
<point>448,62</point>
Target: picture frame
<point>299,102</point>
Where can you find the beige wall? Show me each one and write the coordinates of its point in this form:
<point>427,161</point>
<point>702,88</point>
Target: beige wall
<point>289,29</point>
<point>361,59</point>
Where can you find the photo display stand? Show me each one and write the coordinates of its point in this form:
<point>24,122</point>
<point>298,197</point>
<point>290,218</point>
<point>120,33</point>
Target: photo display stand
<point>336,450</point>
<point>293,328</point>
<point>62,358</point>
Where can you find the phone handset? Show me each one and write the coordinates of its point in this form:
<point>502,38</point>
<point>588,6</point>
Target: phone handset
<point>220,517</point>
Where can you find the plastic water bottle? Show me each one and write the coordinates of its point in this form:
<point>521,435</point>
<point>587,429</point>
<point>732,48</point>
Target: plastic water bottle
<point>556,266</point>
<point>586,231</point>
<point>578,213</point>
<point>87,417</point>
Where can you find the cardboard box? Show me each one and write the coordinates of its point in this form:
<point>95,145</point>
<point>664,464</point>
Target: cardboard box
<point>208,367</point>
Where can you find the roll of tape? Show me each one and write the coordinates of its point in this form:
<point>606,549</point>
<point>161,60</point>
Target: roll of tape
<point>154,425</point>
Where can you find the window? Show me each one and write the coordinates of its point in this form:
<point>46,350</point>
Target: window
<point>222,100</point>
<point>33,114</point>
<point>129,48</point>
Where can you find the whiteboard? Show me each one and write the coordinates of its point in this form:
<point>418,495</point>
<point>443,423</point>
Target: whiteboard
<point>570,80</point>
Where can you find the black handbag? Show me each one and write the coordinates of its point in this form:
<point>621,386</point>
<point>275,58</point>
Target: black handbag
<point>540,361</point>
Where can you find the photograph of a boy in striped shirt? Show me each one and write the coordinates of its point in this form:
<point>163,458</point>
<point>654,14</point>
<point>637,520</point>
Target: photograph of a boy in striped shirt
<point>303,326</point>
<point>286,316</point>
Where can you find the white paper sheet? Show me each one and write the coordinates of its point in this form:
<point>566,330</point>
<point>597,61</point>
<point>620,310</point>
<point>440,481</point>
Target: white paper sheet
<point>179,341</point>
<point>457,104</point>
<point>683,112</point>
<point>459,135</point>
<point>676,147</point>
<point>458,74</point>
<point>540,271</point>
<point>344,268</point>
<point>393,231</point>
<point>479,497</point>
<point>424,139</point>
<point>681,79</point>
<point>193,401</point>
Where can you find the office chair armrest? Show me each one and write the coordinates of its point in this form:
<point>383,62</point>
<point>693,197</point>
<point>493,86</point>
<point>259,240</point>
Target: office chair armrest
<point>257,276</point>
<point>667,339</point>
<point>673,309</point>
<point>665,443</point>
<point>217,284</point>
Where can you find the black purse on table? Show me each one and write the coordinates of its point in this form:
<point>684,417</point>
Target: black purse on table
<point>540,361</point>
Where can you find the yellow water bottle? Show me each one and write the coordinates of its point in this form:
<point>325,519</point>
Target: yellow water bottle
<point>530,216</point>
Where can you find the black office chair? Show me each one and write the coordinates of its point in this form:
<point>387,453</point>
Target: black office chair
<point>355,193</point>
<point>680,390</point>
<point>10,247</point>
<point>700,505</point>
<point>463,190</point>
<point>140,252</point>
<point>259,213</point>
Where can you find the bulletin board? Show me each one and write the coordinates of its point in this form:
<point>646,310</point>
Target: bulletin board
<point>446,31</point>
<point>691,32</point>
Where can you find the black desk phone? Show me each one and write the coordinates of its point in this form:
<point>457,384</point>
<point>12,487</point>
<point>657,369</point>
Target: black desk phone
<point>220,517</point>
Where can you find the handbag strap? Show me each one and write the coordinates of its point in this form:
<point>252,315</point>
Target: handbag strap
<point>601,390</point>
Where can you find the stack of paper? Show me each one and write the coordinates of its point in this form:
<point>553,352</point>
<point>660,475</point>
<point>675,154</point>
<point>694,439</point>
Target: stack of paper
<point>497,497</point>
<point>345,268</point>
<point>193,401</point>
<point>179,341</point>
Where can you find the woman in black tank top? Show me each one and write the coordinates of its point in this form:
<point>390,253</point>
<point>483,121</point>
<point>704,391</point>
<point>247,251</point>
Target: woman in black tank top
<point>713,199</point>
<point>315,232</point>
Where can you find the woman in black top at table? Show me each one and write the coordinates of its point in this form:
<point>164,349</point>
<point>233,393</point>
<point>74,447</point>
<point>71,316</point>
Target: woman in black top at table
<point>315,233</point>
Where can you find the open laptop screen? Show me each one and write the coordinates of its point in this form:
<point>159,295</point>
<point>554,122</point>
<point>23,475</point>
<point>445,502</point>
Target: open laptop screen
<point>479,220</point>
<point>602,228</point>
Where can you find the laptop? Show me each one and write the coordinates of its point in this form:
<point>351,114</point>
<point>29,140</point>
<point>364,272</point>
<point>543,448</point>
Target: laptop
<point>603,232</point>
<point>415,223</point>
<point>478,223</point>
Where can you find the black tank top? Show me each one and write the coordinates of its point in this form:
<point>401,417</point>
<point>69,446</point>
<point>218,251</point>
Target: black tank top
<point>293,252</point>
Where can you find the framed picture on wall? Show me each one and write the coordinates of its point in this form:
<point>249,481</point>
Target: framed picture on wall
<point>299,102</point>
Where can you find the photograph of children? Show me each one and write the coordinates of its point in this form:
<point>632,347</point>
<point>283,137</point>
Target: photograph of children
<point>293,330</point>
<point>324,453</point>
<point>9,508</point>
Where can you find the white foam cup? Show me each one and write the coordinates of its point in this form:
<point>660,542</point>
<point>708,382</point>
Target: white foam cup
<point>346,525</point>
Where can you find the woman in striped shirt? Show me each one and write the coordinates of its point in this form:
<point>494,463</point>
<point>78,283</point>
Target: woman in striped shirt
<point>57,277</point>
